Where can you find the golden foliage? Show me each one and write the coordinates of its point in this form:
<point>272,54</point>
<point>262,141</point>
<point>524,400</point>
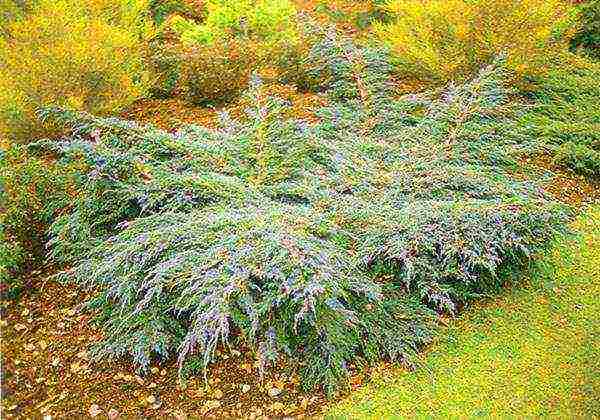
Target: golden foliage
<point>79,54</point>
<point>446,39</point>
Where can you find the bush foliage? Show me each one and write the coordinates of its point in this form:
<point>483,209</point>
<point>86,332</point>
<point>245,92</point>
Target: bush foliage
<point>441,40</point>
<point>84,55</point>
<point>32,193</point>
<point>237,39</point>
<point>315,242</point>
<point>588,35</point>
<point>565,117</point>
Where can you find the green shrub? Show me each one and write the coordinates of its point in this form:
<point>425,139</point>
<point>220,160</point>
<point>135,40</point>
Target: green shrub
<point>579,158</point>
<point>565,117</point>
<point>11,264</point>
<point>80,54</point>
<point>265,20</point>
<point>588,36</point>
<point>317,243</point>
<point>32,193</point>
<point>235,40</point>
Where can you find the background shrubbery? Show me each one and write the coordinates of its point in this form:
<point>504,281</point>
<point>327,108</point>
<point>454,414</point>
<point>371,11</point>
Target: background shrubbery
<point>588,36</point>
<point>235,40</point>
<point>441,40</point>
<point>82,55</point>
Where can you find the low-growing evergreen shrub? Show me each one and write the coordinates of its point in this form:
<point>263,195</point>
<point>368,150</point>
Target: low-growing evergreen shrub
<point>78,54</point>
<point>565,116</point>
<point>320,243</point>
<point>587,37</point>
<point>580,158</point>
<point>32,192</point>
<point>441,40</point>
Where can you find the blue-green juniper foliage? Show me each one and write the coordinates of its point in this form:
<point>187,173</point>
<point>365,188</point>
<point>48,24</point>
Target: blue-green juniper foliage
<point>320,243</point>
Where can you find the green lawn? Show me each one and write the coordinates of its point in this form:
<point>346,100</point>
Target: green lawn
<point>534,351</point>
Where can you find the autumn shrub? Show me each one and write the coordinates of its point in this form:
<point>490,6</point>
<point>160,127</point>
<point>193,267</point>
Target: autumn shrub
<point>79,54</point>
<point>440,40</point>
<point>218,72</point>
<point>165,65</point>
<point>587,37</point>
<point>353,15</point>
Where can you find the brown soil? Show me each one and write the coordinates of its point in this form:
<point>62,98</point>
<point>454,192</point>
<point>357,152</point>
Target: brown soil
<point>46,371</point>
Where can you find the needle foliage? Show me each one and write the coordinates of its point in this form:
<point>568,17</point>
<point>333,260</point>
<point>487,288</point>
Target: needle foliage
<point>315,243</point>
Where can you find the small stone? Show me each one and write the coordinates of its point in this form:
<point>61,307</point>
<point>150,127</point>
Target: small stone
<point>277,407</point>
<point>95,410</point>
<point>218,394</point>
<point>42,345</point>
<point>211,404</point>
<point>245,388</point>
<point>273,392</point>
<point>151,399</point>
<point>113,414</point>
<point>179,415</point>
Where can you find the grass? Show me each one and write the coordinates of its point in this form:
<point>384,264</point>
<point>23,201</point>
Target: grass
<point>534,351</point>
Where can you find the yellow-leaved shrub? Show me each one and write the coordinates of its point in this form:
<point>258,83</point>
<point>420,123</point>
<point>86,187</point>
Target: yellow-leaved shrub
<point>439,40</point>
<point>84,54</point>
